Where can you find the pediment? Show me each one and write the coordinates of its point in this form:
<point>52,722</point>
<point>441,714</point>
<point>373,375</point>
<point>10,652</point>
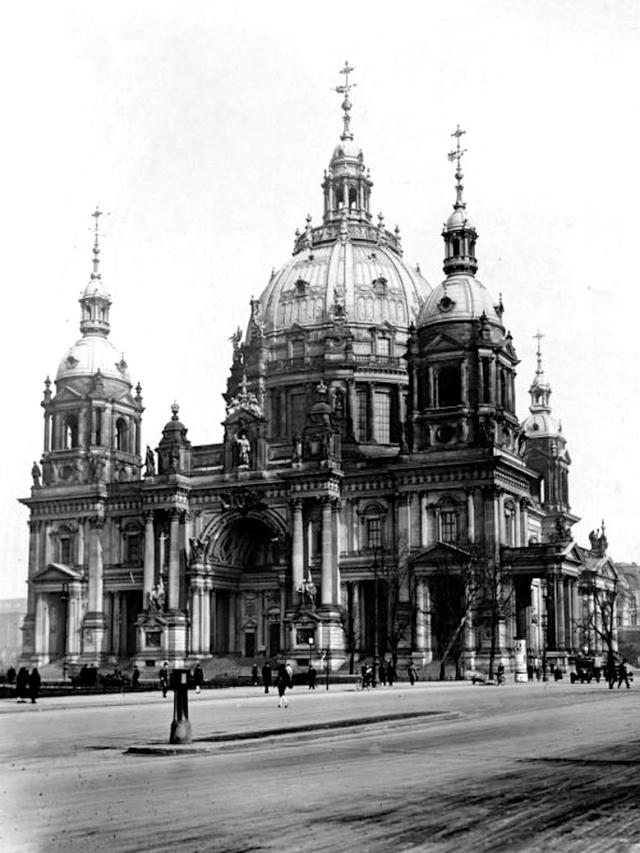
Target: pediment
<point>441,554</point>
<point>385,326</point>
<point>442,343</point>
<point>57,573</point>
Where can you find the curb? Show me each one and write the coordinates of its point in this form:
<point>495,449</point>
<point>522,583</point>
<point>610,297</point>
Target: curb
<point>258,734</point>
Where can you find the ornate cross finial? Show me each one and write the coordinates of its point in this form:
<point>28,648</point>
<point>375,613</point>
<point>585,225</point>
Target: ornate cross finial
<point>539,336</point>
<point>175,408</point>
<point>457,156</point>
<point>97,213</point>
<point>346,104</point>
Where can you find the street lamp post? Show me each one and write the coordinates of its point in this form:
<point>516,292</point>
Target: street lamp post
<point>376,646</point>
<point>64,597</point>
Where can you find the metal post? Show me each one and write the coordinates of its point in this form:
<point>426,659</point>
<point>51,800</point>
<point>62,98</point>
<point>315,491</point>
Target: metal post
<point>180,727</point>
<point>327,657</point>
<point>376,647</point>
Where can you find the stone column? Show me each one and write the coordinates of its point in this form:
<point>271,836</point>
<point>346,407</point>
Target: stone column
<point>213,611</point>
<point>524,523</point>
<point>327,552</point>
<point>424,520</point>
<point>232,620</point>
<point>464,379</point>
<point>149,558</point>
<point>420,616</point>
<point>205,615</point>
<point>560,610</point>
<point>95,566</point>
<point>297,547</point>
<point>196,624</point>
<point>115,623</point>
<point>431,388</point>
<point>336,506</point>
<point>174,560</point>
<point>471,518</point>
<point>39,634</point>
<point>575,609</point>
<point>518,526</point>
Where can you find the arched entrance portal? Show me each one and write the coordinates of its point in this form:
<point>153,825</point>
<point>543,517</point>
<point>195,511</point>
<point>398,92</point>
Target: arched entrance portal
<point>251,586</point>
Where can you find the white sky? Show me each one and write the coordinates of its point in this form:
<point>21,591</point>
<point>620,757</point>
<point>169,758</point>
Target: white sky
<point>204,131</point>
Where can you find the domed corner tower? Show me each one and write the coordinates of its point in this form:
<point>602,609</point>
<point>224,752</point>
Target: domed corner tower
<point>546,453</point>
<point>337,314</point>
<point>91,451</point>
<point>92,423</point>
<point>461,360</point>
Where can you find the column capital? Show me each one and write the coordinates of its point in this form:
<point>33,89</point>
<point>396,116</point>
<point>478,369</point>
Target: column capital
<point>148,516</point>
<point>96,522</point>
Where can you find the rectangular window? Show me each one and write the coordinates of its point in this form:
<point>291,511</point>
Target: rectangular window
<point>297,349</point>
<point>133,548</point>
<point>65,551</point>
<point>275,413</point>
<point>384,346</point>
<point>374,532</point>
<point>382,417</point>
<point>362,420</point>
<point>298,412</point>
<point>448,526</point>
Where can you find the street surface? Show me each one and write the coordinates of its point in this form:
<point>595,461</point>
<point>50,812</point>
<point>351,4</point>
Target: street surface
<point>532,767</point>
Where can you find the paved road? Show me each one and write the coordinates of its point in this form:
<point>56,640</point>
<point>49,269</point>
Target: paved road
<point>532,767</point>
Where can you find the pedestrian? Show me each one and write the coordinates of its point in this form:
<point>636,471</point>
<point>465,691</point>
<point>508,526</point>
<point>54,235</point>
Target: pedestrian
<point>623,675</point>
<point>266,676</point>
<point>391,673</point>
<point>283,681</point>
<point>34,685</point>
<point>610,671</point>
<point>135,678</point>
<point>164,679</point>
<point>312,675</point>
<point>530,672</point>
<point>412,672</point>
<point>11,675</point>
<point>557,673</point>
<point>254,675</point>
<point>22,684</point>
<point>500,673</point>
<point>382,670</point>
<point>538,673</point>
<point>198,677</point>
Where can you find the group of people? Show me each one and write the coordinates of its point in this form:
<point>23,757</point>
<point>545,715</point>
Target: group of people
<point>387,674</point>
<point>283,680</point>
<point>27,683</point>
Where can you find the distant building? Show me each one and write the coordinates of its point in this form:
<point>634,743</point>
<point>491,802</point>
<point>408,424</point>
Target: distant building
<point>374,493</point>
<point>12,612</point>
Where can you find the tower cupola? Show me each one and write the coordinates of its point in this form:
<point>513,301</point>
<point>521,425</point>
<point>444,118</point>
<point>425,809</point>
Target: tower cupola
<point>95,301</point>
<point>459,233</point>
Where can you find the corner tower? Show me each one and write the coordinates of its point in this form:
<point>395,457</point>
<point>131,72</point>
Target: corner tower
<point>461,360</point>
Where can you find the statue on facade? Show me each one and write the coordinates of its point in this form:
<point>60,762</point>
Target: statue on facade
<point>243,448</point>
<point>157,596</point>
<point>197,547</point>
<point>35,473</point>
<point>150,463</point>
<point>307,590</point>
<point>296,454</point>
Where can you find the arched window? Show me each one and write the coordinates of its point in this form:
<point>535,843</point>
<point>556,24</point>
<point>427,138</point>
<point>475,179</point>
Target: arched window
<point>121,435</point>
<point>449,385</point>
<point>70,432</point>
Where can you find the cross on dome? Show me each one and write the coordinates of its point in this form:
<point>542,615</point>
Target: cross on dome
<point>457,156</point>
<point>344,89</point>
<point>97,213</point>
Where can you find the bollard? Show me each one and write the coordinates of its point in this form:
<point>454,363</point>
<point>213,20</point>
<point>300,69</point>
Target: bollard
<point>180,727</point>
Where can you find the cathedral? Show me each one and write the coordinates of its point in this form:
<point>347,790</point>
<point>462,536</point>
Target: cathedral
<point>374,493</point>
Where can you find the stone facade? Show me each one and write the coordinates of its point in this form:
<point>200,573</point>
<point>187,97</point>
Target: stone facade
<point>374,493</point>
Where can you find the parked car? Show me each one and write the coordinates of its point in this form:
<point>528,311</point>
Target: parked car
<point>585,669</point>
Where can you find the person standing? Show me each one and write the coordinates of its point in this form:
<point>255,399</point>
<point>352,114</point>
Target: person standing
<point>266,676</point>
<point>610,671</point>
<point>382,672</point>
<point>391,673</point>
<point>312,677</point>
<point>11,675</point>
<point>135,678</point>
<point>164,679</point>
<point>34,685</point>
<point>283,681</point>
<point>198,677</point>
<point>254,675</point>
<point>22,684</point>
<point>623,674</point>
<point>412,673</point>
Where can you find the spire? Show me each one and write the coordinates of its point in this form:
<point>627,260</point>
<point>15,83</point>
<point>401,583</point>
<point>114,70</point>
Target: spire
<point>540,389</point>
<point>457,156</point>
<point>459,233</point>
<point>95,301</point>
<point>344,89</point>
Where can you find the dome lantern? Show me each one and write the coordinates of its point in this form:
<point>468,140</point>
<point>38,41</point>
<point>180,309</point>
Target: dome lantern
<point>459,233</point>
<point>95,301</point>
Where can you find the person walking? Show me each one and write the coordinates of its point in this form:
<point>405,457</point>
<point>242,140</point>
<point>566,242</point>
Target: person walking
<point>623,674</point>
<point>283,681</point>
<point>198,677</point>
<point>164,679</point>
<point>382,672</point>
<point>135,678</point>
<point>11,675</point>
<point>22,684</point>
<point>312,674</point>
<point>610,671</point>
<point>254,675</point>
<point>34,685</point>
<point>266,676</point>
<point>412,672</point>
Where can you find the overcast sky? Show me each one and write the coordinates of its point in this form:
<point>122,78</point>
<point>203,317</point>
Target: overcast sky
<point>203,129</point>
